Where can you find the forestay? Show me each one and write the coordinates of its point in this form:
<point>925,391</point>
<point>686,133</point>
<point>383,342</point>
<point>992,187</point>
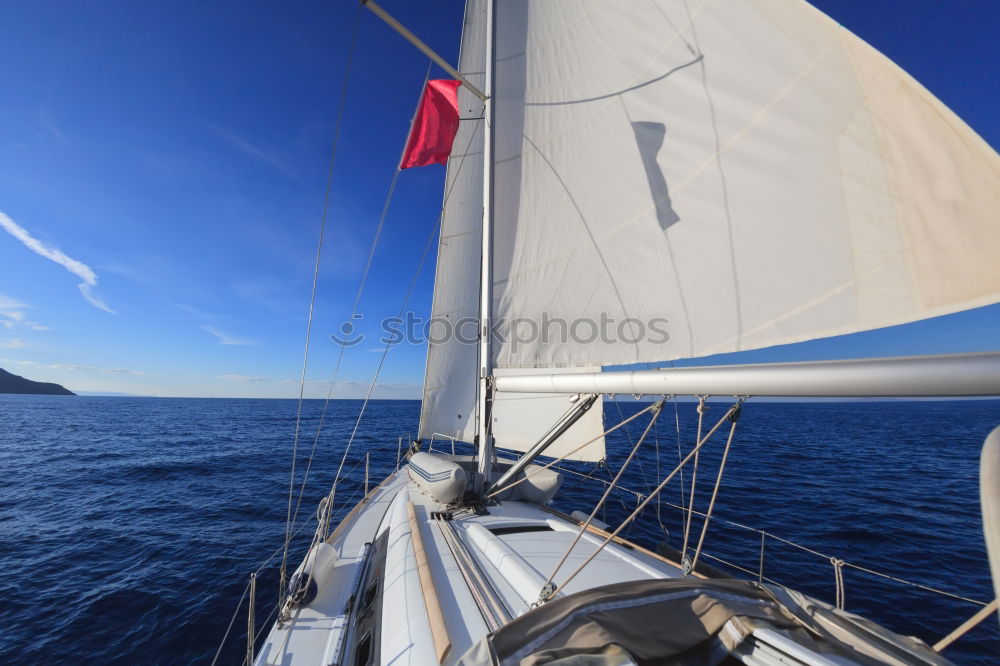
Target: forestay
<point>449,398</point>
<point>748,170</point>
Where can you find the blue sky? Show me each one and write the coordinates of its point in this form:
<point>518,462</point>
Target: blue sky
<point>172,157</point>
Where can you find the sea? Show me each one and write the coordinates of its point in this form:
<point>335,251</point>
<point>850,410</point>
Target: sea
<point>129,526</point>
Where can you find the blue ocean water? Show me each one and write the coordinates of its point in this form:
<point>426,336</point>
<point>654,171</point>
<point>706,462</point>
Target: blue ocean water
<point>128,526</point>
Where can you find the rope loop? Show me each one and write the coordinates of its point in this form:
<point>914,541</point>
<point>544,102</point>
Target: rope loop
<point>838,578</point>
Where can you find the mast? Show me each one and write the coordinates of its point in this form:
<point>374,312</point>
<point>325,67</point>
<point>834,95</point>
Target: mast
<point>483,398</point>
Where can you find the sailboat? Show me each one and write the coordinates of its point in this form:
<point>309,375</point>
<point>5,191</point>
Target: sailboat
<point>631,183</point>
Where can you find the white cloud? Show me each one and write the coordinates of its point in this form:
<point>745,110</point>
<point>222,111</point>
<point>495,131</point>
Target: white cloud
<point>192,311</point>
<point>91,368</point>
<point>243,378</point>
<point>14,315</point>
<point>248,148</point>
<point>92,299</point>
<point>45,122</point>
<point>353,390</point>
<point>18,362</point>
<point>77,268</point>
<point>12,308</point>
<point>226,339</point>
<point>12,343</point>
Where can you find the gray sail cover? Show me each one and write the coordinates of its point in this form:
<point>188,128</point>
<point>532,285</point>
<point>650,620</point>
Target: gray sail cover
<point>685,621</point>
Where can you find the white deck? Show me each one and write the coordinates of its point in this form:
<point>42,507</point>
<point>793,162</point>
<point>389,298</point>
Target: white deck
<point>513,550</point>
<point>516,565</point>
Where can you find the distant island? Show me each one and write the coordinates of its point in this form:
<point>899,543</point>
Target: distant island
<point>10,383</point>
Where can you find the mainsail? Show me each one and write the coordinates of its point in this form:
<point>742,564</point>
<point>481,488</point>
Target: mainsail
<point>680,178</point>
<point>676,179</point>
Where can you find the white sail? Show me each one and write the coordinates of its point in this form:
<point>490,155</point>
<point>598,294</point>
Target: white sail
<point>747,170</point>
<point>449,395</point>
<point>521,419</point>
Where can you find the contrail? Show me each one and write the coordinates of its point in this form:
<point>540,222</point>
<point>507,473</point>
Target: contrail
<point>77,268</point>
<point>226,339</point>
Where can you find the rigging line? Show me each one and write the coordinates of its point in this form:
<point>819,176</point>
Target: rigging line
<point>312,296</point>
<point>277,551</point>
<point>734,417</point>
<point>628,434</point>
<point>755,574</point>
<point>354,307</point>
<point>406,299</point>
<point>659,499</point>
<point>569,453</point>
<point>265,624</point>
<point>680,454</point>
<point>694,478</point>
<point>329,509</point>
<point>649,498</point>
<point>607,470</point>
<point>585,477</point>
<point>583,528</point>
<point>769,535</point>
<point>871,571</point>
<point>222,643</point>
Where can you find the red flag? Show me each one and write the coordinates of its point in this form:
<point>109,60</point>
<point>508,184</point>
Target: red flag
<point>434,126</point>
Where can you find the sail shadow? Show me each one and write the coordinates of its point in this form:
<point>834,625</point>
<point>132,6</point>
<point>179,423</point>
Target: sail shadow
<point>649,138</point>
